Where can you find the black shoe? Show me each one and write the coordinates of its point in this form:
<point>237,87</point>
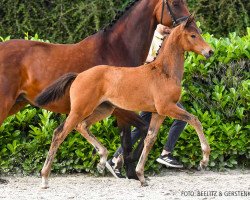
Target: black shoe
<point>169,161</point>
<point>115,168</point>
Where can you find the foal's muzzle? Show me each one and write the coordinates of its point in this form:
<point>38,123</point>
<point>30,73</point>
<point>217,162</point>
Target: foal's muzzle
<point>207,54</point>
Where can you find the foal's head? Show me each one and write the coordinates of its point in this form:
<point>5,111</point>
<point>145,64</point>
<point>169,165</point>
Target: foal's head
<point>191,40</point>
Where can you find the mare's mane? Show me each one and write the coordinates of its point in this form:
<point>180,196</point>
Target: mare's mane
<point>120,14</point>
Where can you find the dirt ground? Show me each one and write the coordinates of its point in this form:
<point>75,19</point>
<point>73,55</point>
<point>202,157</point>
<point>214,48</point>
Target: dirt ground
<point>170,184</point>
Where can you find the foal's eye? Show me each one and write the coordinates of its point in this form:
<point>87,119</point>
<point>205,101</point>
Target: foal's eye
<point>193,36</point>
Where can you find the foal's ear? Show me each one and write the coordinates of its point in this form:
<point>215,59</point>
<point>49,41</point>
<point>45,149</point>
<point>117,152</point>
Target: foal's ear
<point>189,20</point>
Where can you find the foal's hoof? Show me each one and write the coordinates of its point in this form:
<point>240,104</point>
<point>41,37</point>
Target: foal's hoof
<point>44,187</point>
<point>45,183</point>
<point>144,184</point>
<point>202,167</point>
<point>100,168</point>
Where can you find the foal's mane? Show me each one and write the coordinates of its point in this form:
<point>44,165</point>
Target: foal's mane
<point>120,13</point>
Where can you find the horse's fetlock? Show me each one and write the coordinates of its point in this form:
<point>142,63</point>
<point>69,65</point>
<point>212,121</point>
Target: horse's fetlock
<point>102,152</point>
<point>139,172</point>
<point>206,149</point>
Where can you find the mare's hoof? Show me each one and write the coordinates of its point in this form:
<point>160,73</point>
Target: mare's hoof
<point>130,171</point>
<point>144,184</point>
<point>100,168</point>
<point>132,176</point>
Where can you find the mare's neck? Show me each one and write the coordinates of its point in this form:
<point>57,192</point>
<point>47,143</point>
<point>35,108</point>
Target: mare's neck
<point>133,33</point>
<point>171,59</point>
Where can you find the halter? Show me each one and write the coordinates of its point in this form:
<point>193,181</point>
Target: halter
<point>175,21</point>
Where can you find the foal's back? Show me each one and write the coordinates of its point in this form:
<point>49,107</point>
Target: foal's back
<point>128,88</point>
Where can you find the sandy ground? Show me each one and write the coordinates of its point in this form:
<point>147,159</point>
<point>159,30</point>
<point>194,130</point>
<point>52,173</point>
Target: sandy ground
<point>170,184</point>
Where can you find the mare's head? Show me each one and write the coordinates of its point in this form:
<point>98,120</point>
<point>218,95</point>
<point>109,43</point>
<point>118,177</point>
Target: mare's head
<point>171,12</point>
<point>191,40</point>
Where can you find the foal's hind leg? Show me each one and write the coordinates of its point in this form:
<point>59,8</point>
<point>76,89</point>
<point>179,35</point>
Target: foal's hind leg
<point>175,112</point>
<point>101,112</point>
<point>58,137</point>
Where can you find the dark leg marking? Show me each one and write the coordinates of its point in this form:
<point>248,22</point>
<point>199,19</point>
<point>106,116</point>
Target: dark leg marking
<point>60,128</point>
<point>185,117</point>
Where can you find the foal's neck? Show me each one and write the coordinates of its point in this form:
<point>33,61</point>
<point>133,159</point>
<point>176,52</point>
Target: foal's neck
<point>171,59</point>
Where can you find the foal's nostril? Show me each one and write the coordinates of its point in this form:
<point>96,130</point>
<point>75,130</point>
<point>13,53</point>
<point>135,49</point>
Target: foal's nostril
<point>211,52</point>
<point>207,53</point>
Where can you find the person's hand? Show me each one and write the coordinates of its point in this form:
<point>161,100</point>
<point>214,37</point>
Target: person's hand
<point>163,30</point>
<point>167,30</point>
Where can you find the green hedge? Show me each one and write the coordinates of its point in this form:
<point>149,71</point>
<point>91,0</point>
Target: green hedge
<point>216,90</point>
<point>65,21</point>
<point>60,21</point>
<point>221,17</point>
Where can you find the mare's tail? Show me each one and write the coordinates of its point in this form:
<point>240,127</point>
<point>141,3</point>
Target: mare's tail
<point>56,90</point>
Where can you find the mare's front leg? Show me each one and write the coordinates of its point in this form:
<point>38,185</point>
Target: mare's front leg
<point>174,111</point>
<point>124,120</point>
<point>149,141</point>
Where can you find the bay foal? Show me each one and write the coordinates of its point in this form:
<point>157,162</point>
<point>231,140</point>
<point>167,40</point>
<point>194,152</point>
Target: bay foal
<point>155,87</point>
<point>27,67</point>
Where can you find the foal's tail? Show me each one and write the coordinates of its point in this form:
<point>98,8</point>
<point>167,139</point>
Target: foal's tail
<point>56,90</point>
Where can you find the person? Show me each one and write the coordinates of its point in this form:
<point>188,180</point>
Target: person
<point>114,165</point>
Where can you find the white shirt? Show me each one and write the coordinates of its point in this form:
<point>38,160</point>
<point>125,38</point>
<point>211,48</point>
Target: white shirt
<point>155,45</point>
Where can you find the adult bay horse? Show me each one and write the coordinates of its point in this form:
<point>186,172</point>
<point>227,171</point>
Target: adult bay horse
<point>27,67</point>
<point>157,89</point>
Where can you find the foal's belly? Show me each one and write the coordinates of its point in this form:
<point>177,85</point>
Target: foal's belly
<point>134,102</point>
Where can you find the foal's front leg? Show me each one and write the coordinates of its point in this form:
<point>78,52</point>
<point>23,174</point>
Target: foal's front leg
<point>154,126</point>
<point>175,112</point>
